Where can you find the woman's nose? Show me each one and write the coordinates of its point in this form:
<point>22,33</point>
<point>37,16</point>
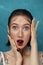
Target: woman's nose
<point>20,34</point>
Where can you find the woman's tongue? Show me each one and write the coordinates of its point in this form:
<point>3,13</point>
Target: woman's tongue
<point>20,42</point>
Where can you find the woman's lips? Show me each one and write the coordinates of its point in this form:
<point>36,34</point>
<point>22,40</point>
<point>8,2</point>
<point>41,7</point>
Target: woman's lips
<point>20,42</point>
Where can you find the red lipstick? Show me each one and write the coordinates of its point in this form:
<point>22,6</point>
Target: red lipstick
<point>20,42</point>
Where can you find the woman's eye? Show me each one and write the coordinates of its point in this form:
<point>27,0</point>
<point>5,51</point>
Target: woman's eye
<point>26,28</point>
<point>15,27</point>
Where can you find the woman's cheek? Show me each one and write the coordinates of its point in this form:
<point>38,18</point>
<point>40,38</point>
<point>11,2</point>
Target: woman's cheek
<point>12,34</point>
<point>27,35</point>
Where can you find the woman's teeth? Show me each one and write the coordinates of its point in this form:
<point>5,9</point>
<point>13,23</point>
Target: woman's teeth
<point>20,42</point>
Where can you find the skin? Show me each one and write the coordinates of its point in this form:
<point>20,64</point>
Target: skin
<point>20,28</point>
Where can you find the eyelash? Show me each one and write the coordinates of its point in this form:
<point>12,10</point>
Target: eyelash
<point>25,28</point>
<point>15,27</point>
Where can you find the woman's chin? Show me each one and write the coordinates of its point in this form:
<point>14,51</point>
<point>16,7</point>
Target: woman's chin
<point>20,47</point>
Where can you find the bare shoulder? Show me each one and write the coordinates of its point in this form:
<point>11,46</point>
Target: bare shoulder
<point>40,55</point>
<point>10,57</point>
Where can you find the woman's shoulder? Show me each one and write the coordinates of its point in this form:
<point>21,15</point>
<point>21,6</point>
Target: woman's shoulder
<point>40,55</point>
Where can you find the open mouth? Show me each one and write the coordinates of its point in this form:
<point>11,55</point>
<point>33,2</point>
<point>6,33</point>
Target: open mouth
<point>20,42</point>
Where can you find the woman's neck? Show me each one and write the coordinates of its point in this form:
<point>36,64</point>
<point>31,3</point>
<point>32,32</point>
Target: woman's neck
<point>22,51</point>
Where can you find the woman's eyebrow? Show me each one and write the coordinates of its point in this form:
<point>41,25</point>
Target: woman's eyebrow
<point>27,24</point>
<point>23,25</point>
<point>14,24</point>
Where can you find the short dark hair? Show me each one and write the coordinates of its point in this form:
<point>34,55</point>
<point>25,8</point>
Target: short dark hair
<point>17,12</point>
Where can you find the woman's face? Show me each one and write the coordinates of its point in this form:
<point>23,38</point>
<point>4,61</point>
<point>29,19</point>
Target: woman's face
<point>20,31</point>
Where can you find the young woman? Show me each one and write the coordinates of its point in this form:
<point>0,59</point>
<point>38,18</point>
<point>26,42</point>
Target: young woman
<point>21,34</point>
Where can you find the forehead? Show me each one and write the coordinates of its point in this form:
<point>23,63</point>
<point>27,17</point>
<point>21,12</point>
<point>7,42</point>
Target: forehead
<point>20,19</point>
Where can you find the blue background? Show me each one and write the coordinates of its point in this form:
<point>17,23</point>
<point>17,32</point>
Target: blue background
<point>7,6</point>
